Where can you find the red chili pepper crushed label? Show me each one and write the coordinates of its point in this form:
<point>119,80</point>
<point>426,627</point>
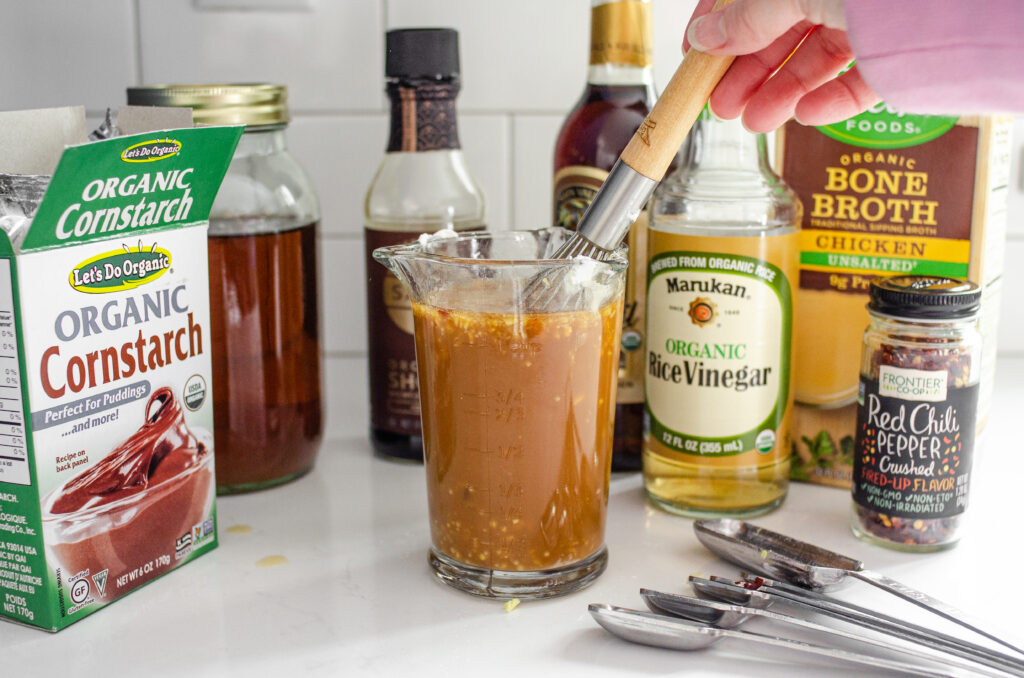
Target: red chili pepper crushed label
<point>916,412</point>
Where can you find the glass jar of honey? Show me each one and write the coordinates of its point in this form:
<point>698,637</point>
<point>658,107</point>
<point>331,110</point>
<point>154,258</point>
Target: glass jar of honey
<point>264,309</point>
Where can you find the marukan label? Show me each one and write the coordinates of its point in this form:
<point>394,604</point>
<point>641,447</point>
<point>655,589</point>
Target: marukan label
<point>912,457</point>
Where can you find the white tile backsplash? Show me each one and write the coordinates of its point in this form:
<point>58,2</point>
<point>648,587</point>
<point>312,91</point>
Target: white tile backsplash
<point>516,56</point>
<point>346,396</point>
<point>1011,319</point>
<point>1015,202</point>
<point>331,57</point>
<point>485,144</point>
<point>669,18</point>
<point>524,65</point>
<point>341,154</point>
<point>343,295</point>
<point>57,53</point>
<point>534,139</point>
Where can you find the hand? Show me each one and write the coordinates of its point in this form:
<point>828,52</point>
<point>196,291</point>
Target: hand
<point>808,86</point>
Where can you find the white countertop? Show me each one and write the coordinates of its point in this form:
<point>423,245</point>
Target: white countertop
<point>357,598</point>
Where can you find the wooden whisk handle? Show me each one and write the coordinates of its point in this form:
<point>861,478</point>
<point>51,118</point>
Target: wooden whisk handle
<point>662,132</point>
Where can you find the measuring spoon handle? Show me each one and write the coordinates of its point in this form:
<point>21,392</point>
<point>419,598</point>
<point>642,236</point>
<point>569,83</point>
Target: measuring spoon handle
<point>923,600</point>
<point>966,664</point>
<point>904,630</point>
<point>835,653</point>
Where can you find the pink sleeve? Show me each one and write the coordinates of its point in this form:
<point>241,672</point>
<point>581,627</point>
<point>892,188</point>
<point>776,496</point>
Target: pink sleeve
<point>941,56</point>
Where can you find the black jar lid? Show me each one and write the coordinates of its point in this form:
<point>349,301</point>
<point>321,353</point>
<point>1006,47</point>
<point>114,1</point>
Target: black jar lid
<point>924,296</point>
<point>422,53</point>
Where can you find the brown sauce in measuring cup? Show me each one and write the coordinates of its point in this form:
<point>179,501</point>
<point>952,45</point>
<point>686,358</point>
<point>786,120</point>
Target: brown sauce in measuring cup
<point>518,413</point>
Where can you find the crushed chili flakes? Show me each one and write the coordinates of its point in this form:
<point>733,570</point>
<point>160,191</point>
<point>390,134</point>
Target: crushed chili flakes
<point>924,328</point>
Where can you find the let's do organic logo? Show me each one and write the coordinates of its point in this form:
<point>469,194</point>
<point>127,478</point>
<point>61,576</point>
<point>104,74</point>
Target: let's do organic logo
<point>122,269</point>
<point>151,150</point>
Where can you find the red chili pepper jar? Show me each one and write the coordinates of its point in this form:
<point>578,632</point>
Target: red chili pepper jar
<point>916,413</point>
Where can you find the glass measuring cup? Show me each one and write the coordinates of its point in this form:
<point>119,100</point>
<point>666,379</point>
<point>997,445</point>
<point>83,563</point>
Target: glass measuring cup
<point>517,407</point>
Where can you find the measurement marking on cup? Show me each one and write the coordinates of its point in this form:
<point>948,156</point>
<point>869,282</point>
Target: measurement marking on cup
<point>509,406</point>
<point>503,452</point>
<point>481,403</point>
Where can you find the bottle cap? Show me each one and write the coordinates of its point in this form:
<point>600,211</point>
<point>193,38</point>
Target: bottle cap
<point>924,297</point>
<point>254,105</point>
<point>422,53</point>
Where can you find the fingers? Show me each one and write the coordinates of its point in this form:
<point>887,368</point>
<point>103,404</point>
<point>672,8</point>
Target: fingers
<point>790,52</point>
<point>824,53</point>
<point>836,100</point>
<point>749,72</point>
<point>703,7</point>
<point>745,26</point>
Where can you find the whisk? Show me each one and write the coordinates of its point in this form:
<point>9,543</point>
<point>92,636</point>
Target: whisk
<point>637,172</point>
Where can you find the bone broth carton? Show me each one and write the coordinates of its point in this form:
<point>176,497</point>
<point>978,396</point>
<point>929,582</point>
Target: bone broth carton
<point>884,193</point>
<point>106,444</point>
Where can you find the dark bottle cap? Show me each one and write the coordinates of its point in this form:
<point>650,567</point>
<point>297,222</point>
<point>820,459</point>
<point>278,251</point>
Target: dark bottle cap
<point>422,53</point>
<point>925,297</point>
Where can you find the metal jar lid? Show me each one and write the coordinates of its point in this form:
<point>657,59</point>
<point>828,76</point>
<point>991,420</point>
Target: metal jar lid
<point>924,297</point>
<point>250,104</point>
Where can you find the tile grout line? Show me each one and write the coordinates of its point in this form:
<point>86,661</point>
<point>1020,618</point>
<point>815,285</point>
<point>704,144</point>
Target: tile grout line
<point>343,354</point>
<point>138,41</point>
<point>511,141</point>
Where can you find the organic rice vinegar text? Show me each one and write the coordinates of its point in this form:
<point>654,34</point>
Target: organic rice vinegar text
<point>720,285</point>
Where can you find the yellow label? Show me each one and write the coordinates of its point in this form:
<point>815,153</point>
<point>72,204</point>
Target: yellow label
<point>119,270</point>
<point>873,245</point>
<point>151,150</point>
<point>719,345</point>
<point>398,303</point>
<point>575,188</point>
<point>620,33</point>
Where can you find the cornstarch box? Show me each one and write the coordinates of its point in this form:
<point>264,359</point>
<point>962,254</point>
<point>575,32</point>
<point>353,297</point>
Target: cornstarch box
<point>884,193</point>
<point>106,444</point>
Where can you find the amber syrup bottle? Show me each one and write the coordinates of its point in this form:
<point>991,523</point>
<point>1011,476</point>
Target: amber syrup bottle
<point>421,186</point>
<point>618,96</point>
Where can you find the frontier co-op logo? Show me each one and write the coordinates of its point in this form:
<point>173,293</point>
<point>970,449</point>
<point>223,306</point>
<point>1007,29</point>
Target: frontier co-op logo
<point>122,269</point>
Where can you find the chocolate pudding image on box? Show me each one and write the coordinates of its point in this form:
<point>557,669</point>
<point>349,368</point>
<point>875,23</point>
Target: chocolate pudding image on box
<point>128,513</point>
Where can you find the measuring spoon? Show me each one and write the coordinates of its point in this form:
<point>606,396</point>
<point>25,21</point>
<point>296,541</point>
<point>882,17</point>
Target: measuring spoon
<point>727,615</point>
<point>647,628</point>
<point>730,592</point>
<point>813,567</point>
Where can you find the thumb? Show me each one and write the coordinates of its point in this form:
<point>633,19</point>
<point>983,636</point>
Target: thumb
<point>746,26</point>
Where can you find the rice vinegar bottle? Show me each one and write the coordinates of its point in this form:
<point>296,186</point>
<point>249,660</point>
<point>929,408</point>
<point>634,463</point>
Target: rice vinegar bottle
<point>721,276</point>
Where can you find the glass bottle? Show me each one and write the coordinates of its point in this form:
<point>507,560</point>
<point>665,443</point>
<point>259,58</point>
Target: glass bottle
<point>618,96</point>
<point>916,412</point>
<point>422,185</point>
<point>723,255</point>
<point>264,306</point>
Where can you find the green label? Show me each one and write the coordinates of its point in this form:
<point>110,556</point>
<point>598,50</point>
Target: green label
<point>719,328</point>
<point>128,185</point>
<point>884,127</point>
<point>884,264</point>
